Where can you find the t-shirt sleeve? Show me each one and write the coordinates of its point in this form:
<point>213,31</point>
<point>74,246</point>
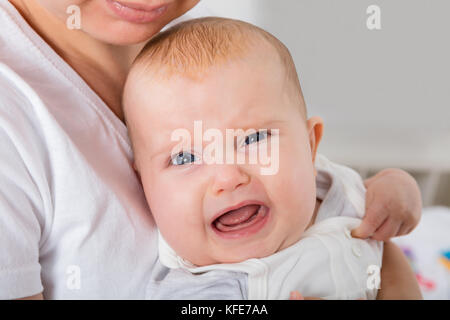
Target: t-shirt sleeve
<point>21,209</point>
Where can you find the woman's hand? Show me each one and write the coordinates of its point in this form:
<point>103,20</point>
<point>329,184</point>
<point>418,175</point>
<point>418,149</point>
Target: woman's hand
<point>295,295</point>
<point>393,206</point>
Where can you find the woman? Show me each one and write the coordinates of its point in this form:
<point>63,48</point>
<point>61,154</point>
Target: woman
<point>74,223</point>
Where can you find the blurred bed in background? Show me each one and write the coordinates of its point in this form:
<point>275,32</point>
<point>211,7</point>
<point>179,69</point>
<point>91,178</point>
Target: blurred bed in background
<point>428,251</point>
<point>384,96</point>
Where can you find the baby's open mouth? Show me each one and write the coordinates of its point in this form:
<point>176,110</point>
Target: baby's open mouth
<point>245,218</point>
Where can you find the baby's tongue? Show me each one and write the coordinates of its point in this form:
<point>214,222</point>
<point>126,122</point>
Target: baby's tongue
<point>235,217</point>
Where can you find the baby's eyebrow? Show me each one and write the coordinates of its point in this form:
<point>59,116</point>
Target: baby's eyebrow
<point>164,150</point>
<point>269,124</point>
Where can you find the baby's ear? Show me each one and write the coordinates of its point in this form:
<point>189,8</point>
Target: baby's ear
<point>314,126</point>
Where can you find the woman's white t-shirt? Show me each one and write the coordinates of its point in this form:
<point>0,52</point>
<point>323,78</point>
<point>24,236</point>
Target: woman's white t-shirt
<point>73,219</point>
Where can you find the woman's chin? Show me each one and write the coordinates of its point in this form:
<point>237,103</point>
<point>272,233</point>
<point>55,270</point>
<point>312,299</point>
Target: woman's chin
<point>123,33</point>
<point>103,24</point>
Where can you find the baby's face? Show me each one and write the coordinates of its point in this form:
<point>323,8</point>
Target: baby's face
<point>222,213</point>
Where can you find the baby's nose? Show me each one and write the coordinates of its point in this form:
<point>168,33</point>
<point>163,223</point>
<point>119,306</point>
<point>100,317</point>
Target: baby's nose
<point>228,178</point>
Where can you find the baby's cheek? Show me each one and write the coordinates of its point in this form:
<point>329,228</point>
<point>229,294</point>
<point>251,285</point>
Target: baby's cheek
<point>294,187</point>
<point>178,215</point>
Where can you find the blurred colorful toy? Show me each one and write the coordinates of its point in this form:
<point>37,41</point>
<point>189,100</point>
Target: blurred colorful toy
<point>426,284</point>
<point>445,259</point>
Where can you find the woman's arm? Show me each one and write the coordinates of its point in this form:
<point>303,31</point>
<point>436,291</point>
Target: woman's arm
<point>398,281</point>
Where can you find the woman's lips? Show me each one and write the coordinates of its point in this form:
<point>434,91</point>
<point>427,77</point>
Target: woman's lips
<point>136,12</point>
<point>240,222</point>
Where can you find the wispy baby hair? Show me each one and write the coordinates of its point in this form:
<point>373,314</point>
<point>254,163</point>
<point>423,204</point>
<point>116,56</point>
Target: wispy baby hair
<point>192,47</point>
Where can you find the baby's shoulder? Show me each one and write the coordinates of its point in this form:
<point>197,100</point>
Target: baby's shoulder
<point>333,235</point>
<point>328,262</point>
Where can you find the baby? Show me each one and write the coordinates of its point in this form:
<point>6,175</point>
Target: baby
<point>201,97</point>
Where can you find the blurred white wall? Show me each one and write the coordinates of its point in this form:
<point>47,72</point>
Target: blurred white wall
<point>396,76</point>
<point>384,94</point>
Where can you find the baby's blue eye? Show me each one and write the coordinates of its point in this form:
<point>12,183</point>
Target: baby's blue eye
<point>182,158</point>
<point>255,137</point>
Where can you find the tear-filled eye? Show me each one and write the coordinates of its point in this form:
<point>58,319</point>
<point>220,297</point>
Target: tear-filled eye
<point>182,158</point>
<point>255,137</point>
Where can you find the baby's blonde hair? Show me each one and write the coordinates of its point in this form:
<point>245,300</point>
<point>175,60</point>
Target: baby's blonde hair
<point>192,47</point>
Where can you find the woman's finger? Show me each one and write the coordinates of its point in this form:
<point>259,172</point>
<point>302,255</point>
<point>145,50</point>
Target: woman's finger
<point>295,295</point>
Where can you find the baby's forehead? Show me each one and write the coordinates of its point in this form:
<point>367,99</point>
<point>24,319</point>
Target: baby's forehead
<point>159,108</point>
<point>233,90</point>
<point>145,81</point>
<point>164,105</point>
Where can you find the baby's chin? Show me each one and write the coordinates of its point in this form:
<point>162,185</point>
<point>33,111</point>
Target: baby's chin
<point>277,236</point>
<point>207,261</point>
<point>237,255</point>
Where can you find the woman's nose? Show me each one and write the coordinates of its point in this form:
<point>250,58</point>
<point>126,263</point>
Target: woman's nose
<point>228,178</point>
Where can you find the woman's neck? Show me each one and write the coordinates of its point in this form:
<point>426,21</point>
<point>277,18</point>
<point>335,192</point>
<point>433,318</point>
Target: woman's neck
<point>102,66</point>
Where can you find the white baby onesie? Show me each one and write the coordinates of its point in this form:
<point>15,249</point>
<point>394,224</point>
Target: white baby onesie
<point>326,262</point>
